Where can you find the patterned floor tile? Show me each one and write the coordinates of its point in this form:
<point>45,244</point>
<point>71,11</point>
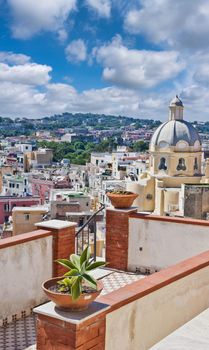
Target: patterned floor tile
<point>21,334</point>
<point>18,335</point>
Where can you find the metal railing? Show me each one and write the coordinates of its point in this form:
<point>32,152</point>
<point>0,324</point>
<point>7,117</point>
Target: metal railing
<point>87,234</point>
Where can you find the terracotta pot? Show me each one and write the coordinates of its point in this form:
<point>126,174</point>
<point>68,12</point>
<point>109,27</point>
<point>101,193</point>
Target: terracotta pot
<point>65,302</point>
<point>122,201</point>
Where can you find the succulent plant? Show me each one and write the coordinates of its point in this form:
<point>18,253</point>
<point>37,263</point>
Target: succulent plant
<point>78,275</point>
<point>120,192</point>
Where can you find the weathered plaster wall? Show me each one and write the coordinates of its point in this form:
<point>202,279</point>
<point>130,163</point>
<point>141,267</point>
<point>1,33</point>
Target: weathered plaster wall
<point>157,244</point>
<point>23,268</point>
<point>144,322</point>
<point>196,201</point>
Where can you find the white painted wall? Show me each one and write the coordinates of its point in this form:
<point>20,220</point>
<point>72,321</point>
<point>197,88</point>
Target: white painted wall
<point>144,322</point>
<point>23,268</point>
<point>163,243</point>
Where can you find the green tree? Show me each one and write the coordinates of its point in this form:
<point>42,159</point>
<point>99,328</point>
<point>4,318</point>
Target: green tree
<point>140,146</point>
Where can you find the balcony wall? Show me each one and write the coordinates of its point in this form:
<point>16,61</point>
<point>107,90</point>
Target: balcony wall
<point>148,310</point>
<point>136,316</point>
<point>157,242</point>
<point>25,262</point>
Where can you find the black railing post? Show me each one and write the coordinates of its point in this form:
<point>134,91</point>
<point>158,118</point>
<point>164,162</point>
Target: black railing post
<point>80,234</point>
<point>95,238</point>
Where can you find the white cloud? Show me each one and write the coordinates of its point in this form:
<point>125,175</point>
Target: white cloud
<point>19,100</point>
<point>26,89</point>
<point>29,74</point>
<point>62,35</point>
<point>137,68</point>
<point>183,24</point>
<point>31,17</point>
<point>102,7</point>
<point>13,58</point>
<point>199,66</point>
<point>76,51</point>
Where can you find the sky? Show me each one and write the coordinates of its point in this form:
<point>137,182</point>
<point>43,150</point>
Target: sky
<point>120,57</point>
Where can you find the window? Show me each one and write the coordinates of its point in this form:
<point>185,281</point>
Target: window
<point>162,165</point>
<point>149,196</point>
<point>163,144</point>
<point>195,164</point>
<point>182,144</point>
<point>196,144</point>
<point>181,165</point>
<point>27,217</point>
<point>6,207</point>
<point>17,185</point>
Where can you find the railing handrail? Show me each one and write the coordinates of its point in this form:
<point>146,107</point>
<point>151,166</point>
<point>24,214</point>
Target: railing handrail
<point>90,219</point>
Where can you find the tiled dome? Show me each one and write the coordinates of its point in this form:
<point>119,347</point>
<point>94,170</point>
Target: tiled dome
<point>173,131</point>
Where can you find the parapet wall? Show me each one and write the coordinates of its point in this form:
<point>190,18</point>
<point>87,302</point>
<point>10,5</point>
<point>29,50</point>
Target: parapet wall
<point>148,310</point>
<point>134,317</point>
<point>157,242</point>
<point>25,262</point>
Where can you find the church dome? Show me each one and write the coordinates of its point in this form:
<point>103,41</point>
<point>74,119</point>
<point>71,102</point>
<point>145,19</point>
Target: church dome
<point>174,131</point>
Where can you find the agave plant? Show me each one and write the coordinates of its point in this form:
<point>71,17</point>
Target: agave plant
<point>78,275</point>
<point>118,191</point>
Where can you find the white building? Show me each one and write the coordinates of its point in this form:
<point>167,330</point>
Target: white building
<point>67,137</point>
<point>101,158</point>
<point>15,185</point>
<point>24,147</point>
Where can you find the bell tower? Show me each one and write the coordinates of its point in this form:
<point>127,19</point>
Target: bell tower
<point>176,109</point>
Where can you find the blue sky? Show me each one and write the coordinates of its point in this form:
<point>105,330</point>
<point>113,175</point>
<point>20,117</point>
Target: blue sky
<point>104,56</point>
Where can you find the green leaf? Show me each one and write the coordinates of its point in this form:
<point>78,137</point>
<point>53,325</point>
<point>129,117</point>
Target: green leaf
<point>67,281</point>
<point>72,272</point>
<point>75,260</point>
<point>76,288</point>
<point>66,263</point>
<point>91,281</point>
<point>95,265</point>
<point>65,285</point>
<point>85,256</point>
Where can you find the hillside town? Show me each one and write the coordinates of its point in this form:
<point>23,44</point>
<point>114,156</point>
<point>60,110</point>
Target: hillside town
<point>39,183</point>
<point>128,196</point>
<point>104,175</point>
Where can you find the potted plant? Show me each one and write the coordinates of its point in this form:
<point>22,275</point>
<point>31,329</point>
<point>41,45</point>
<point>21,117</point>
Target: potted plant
<point>121,199</point>
<point>77,289</point>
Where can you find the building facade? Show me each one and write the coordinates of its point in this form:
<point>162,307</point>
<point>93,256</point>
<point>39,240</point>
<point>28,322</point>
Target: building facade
<point>175,160</point>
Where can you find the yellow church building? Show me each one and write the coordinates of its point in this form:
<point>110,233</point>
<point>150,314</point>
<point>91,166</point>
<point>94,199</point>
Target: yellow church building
<point>175,162</point>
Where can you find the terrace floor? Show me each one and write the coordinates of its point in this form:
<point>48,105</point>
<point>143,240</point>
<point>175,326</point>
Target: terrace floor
<point>193,335</point>
<point>21,334</point>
